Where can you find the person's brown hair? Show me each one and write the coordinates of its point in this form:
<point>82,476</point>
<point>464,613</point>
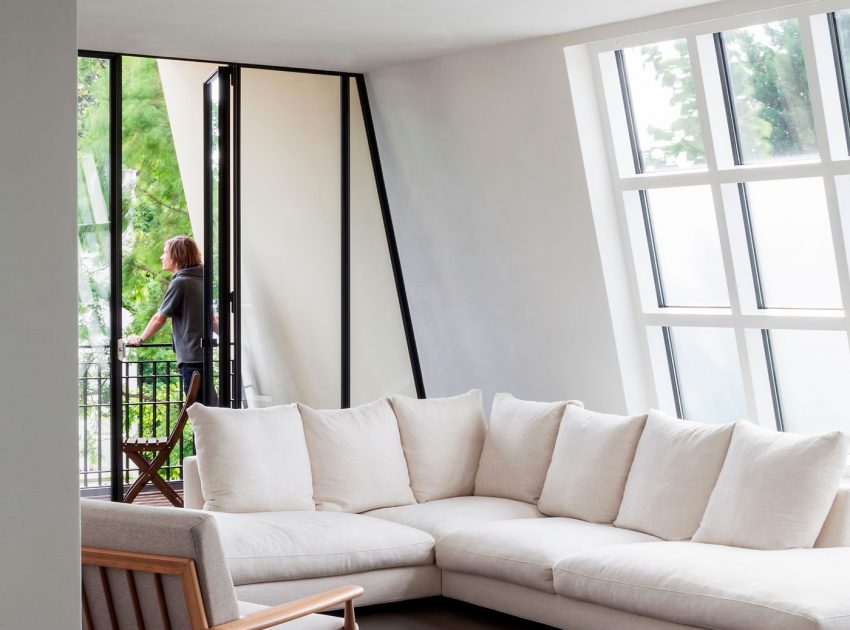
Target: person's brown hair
<point>183,251</point>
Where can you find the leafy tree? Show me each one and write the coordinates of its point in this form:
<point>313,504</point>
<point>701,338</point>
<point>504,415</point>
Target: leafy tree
<point>771,95</point>
<point>683,138</point>
<point>153,210</point>
<point>154,205</point>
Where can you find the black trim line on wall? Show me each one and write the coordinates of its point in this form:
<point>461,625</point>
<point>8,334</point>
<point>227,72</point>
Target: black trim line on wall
<point>392,244</point>
<point>345,240</point>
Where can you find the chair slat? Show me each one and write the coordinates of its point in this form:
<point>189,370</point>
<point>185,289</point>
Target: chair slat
<point>163,606</point>
<point>110,603</point>
<point>87,624</point>
<point>134,596</point>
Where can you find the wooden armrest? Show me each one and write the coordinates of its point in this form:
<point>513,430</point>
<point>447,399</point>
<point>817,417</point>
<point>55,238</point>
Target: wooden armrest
<point>298,608</point>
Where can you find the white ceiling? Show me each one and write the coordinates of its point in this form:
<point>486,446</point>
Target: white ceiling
<point>353,35</point>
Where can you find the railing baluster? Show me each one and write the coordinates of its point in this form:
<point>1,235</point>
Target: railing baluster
<point>85,411</point>
<point>155,382</point>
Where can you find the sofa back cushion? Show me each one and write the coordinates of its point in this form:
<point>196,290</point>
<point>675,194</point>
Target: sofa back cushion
<point>591,461</point>
<point>518,448</point>
<point>356,457</point>
<point>252,460</point>
<point>775,489</point>
<point>442,440</point>
<point>675,468</point>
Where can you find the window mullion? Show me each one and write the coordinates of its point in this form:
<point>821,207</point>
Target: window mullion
<point>821,132</point>
<point>699,78</point>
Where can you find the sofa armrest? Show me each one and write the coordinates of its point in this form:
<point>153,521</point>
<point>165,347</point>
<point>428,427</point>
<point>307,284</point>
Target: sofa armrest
<point>193,498</point>
<point>836,529</point>
<point>290,611</point>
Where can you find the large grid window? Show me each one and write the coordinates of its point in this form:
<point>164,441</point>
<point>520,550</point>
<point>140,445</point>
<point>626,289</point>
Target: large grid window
<point>730,152</point>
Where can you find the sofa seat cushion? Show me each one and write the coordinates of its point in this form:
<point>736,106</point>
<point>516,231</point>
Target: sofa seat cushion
<point>273,546</point>
<point>714,586</point>
<point>440,517</point>
<point>310,622</point>
<point>524,551</point>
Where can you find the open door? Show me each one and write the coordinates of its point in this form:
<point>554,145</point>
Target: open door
<point>221,381</point>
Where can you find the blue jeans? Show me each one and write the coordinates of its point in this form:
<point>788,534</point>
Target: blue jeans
<point>186,371</point>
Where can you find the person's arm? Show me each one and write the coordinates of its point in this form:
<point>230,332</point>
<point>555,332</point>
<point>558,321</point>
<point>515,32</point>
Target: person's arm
<point>156,322</point>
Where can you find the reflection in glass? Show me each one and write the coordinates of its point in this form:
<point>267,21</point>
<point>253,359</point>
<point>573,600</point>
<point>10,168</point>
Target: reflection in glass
<point>380,364</point>
<point>709,374</point>
<point>793,244</point>
<point>688,246</point>
<point>813,374</point>
<point>291,281</point>
<point>664,106</point>
<point>94,268</point>
<point>842,31</point>
<point>770,92</point>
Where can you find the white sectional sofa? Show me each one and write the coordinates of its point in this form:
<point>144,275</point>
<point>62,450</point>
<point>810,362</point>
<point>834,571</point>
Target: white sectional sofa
<point>528,515</point>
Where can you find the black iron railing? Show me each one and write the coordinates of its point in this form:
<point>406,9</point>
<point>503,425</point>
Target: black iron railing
<point>152,395</point>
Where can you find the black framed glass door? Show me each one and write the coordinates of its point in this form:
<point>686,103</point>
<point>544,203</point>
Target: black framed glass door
<point>221,380</point>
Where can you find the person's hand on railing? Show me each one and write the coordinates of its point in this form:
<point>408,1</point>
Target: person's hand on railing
<point>134,341</point>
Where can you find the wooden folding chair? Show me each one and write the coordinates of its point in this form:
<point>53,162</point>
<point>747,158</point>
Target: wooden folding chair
<point>161,447</point>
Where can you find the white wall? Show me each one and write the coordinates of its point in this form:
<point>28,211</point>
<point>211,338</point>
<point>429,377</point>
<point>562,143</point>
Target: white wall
<point>491,212</point>
<point>492,207</point>
<point>39,508</point>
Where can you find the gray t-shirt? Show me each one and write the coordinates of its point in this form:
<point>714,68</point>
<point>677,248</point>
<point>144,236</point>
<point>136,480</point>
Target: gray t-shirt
<point>184,304</point>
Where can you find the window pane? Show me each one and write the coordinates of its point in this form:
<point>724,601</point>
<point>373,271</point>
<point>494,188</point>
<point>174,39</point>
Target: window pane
<point>688,246</point>
<point>793,244</point>
<point>842,23</point>
<point>664,105</point>
<point>709,374</point>
<point>813,377</point>
<point>770,92</point>
<point>93,126</point>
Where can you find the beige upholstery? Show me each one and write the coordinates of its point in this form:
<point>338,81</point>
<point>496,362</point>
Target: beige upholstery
<point>380,586</point>
<point>271,546</point>
<point>836,529</point>
<point>524,551</point>
<point>775,489</point>
<point>590,464</point>
<point>160,531</point>
<point>834,533</point>
<point>518,448</point>
<point>193,497</point>
<point>440,517</point>
<point>676,465</point>
<point>442,440</point>
<point>715,586</point>
<point>356,458</point>
<point>554,610</point>
<point>310,622</point>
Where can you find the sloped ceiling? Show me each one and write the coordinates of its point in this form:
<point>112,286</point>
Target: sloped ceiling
<point>352,35</point>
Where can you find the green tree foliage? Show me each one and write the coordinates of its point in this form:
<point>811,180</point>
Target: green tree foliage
<point>153,210</point>
<point>154,207</point>
<point>684,136</point>
<point>771,95</point>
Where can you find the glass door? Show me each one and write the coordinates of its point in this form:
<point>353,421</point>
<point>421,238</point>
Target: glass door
<point>221,382</point>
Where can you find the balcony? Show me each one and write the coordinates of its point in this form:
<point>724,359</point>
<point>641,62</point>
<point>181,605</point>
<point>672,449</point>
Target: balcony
<point>152,396</point>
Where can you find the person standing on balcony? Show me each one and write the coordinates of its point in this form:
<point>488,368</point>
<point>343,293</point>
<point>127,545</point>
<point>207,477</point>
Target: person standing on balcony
<point>184,304</point>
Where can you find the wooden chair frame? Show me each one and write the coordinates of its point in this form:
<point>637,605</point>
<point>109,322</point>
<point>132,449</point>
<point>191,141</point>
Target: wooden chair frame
<point>184,568</point>
<point>149,468</point>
